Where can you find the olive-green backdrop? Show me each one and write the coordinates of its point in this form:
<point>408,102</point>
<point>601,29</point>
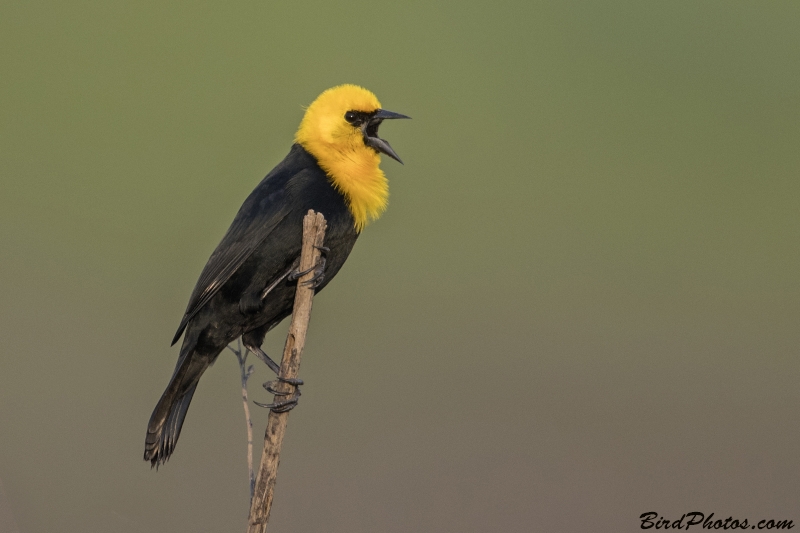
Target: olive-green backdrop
<point>582,304</point>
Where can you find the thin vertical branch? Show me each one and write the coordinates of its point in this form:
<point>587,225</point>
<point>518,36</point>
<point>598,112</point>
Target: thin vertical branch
<point>313,236</point>
<point>245,373</point>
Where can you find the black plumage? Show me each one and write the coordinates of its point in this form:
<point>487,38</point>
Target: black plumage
<point>262,245</point>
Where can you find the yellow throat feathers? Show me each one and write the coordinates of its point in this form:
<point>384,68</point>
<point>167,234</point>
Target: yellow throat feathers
<point>340,150</point>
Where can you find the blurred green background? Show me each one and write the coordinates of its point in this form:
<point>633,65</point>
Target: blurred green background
<point>582,304</point>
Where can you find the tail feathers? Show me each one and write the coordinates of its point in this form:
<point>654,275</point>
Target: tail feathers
<point>163,435</point>
<point>167,418</point>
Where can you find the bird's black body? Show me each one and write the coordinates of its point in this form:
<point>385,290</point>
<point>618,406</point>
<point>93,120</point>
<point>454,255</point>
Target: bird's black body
<point>262,244</point>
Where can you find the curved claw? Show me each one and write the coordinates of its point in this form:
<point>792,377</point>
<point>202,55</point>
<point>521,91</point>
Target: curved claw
<point>281,406</point>
<point>294,275</point>
<point>278,407</point>
<point>270,385</point>
<point>319,274</point>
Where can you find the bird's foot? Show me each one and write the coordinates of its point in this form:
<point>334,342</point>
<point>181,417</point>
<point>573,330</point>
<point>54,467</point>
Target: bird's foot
<point>318,270</point>
<point>295,274</point>
<point>270,385</point>
<point>319,274</point>
<point>283,405</point>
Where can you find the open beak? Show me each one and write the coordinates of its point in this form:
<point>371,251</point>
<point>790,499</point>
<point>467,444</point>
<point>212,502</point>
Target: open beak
<point>370,131</point>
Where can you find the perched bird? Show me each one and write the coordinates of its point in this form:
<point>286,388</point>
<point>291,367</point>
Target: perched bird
<point>248,285</point>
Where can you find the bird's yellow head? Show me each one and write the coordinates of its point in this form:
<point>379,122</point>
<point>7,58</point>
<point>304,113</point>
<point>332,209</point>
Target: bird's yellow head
<point>340,129</point>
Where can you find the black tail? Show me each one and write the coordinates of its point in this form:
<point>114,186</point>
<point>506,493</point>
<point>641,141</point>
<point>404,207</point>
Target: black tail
<point>167,418</point>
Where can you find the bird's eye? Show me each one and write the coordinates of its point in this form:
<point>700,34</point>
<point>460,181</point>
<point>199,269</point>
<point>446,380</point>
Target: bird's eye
<point>351,117</point>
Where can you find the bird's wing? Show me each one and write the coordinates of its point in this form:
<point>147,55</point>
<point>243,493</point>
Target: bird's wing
<point>263,210</point>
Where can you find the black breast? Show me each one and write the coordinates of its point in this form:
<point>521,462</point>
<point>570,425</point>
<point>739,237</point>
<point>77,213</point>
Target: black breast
<point>300,185</point>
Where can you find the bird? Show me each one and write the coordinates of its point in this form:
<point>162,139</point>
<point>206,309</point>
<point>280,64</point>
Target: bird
<point>247,287</point>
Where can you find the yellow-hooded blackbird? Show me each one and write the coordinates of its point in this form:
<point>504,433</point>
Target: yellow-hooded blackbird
<point>248,285</point>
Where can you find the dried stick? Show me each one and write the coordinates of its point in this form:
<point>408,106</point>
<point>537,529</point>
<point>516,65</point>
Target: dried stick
<point>313,235</point>
<point>245,373</point>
